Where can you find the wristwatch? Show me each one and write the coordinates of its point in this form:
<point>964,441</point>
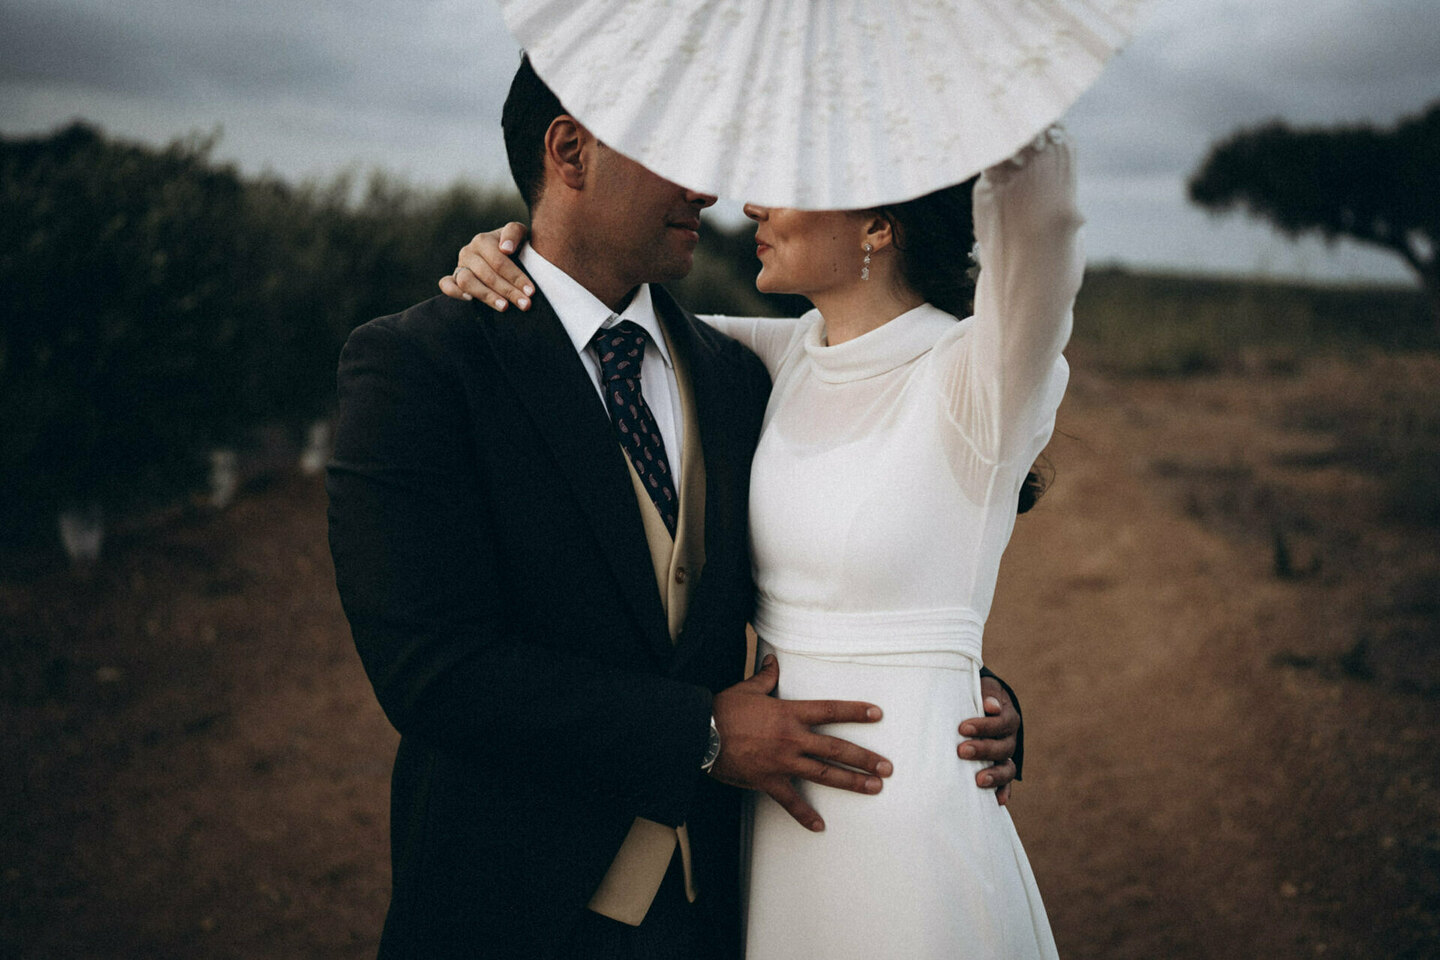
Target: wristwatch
<point>712,747</point>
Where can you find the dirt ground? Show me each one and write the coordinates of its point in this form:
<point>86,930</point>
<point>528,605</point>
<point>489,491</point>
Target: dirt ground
<point>1225,650</point>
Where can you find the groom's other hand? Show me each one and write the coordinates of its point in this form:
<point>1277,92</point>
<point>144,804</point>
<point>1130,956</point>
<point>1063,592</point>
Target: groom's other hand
<point>992,739</point>
<point>765,743</point>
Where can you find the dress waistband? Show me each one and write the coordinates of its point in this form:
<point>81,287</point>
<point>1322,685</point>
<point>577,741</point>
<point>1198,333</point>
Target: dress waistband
<point>822,633</point>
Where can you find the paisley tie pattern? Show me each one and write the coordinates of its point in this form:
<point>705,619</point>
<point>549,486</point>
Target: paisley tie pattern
<point>621,350</point>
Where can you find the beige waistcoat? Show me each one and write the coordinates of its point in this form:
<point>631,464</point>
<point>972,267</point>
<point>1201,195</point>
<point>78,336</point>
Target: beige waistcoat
<point>634,877</point>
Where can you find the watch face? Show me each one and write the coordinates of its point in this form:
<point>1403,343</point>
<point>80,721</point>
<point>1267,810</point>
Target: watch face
<point>712,748</point>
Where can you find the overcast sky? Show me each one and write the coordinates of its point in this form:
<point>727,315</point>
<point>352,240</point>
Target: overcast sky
<point>415,86</point>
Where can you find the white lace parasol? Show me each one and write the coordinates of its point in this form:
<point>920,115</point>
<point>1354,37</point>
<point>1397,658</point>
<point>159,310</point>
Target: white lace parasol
<point>821,104</point>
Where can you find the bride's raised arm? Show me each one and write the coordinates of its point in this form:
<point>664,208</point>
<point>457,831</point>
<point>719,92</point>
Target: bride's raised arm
<point>486,270</point>
<point>1003,377</point>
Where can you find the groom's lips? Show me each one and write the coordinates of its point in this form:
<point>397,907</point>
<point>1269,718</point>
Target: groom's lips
<point>691,227</point>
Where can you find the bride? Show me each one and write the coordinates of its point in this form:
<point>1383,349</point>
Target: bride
<point>897,443</point>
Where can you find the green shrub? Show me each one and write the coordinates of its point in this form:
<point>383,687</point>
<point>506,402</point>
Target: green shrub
<point>114,270</point>
<point>154,304</point>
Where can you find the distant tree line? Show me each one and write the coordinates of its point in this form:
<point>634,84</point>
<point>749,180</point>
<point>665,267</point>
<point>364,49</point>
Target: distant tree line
<point>155,304</point>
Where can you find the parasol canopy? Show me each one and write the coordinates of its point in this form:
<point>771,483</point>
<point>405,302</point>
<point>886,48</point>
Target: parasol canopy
<point>819,104</point>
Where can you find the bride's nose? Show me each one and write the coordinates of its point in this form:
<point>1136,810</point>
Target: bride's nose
<point>755,212</point>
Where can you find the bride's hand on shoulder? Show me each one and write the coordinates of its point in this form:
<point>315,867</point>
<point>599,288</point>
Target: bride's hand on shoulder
<point>485,270</point>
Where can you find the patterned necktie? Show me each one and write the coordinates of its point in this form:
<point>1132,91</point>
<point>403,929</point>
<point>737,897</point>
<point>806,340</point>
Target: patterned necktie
<point>621,350</point>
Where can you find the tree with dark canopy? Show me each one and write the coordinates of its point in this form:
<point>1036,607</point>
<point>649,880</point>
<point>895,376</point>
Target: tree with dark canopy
<point>1380,187</point>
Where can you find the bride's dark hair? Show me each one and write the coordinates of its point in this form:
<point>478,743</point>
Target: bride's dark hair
<point>934,235</point>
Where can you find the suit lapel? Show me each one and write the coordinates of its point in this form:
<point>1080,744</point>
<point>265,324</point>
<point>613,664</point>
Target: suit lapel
<point>543,370</point>
<point>708,388</point>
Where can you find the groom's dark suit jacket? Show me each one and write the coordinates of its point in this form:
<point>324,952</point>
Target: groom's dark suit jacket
<point>492,561</point>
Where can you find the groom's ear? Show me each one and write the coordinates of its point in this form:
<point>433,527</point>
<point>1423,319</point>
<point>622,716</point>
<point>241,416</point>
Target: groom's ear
<point>566,153</point>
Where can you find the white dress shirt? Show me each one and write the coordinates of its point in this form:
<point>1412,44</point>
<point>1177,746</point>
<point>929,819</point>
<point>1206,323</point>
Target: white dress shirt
<point>582,314</point>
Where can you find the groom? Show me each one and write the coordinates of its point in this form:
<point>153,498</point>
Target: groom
<point>543,557</point>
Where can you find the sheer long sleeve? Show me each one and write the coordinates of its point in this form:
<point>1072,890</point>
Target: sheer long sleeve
<point>1003,372</point>
<point>771,338</point>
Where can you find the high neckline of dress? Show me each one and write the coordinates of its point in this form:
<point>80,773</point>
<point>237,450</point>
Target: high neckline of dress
<point>879,351</point>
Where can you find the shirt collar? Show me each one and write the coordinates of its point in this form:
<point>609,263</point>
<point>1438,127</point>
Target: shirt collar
<point>581,313</point>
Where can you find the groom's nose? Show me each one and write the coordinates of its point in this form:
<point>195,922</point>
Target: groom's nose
<point>701,200</point>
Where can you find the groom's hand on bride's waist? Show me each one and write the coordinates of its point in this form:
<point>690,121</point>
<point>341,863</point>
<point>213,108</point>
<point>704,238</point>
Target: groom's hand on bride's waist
<point>993,739</point>
<point>766,742</point>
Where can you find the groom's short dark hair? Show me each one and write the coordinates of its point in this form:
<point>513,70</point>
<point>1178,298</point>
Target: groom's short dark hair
<point>530,107</point>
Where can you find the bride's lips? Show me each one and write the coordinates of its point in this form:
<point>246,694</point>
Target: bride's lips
<point>760,246</point>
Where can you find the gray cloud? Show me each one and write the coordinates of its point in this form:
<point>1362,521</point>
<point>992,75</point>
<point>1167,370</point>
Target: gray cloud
<point>416,86</point>
<point>1202,70</point>
<point>377,55</point>
<point>145,49</point>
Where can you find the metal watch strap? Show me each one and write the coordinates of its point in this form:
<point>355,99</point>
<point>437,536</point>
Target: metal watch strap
<point>712,747</point>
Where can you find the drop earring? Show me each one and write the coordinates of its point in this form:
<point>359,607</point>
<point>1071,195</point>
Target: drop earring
<point>865,264</point>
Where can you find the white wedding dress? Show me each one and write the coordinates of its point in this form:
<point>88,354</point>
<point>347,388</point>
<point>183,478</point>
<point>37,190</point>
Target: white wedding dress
<point>883,494</point>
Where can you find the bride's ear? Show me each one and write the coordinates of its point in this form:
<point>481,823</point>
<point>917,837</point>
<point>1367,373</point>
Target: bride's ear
<point>879,231</point>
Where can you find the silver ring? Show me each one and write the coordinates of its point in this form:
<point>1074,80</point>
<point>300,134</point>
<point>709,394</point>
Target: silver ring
<point>456,275</point>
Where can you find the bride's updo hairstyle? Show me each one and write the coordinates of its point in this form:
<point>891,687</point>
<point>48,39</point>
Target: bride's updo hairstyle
<point>934,235</point>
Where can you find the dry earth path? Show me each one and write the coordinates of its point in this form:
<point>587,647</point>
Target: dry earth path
<point>1189,794</point>
<point>196,767</point>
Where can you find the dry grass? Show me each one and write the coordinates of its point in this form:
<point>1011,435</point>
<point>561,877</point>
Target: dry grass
<point>1170,325</point>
